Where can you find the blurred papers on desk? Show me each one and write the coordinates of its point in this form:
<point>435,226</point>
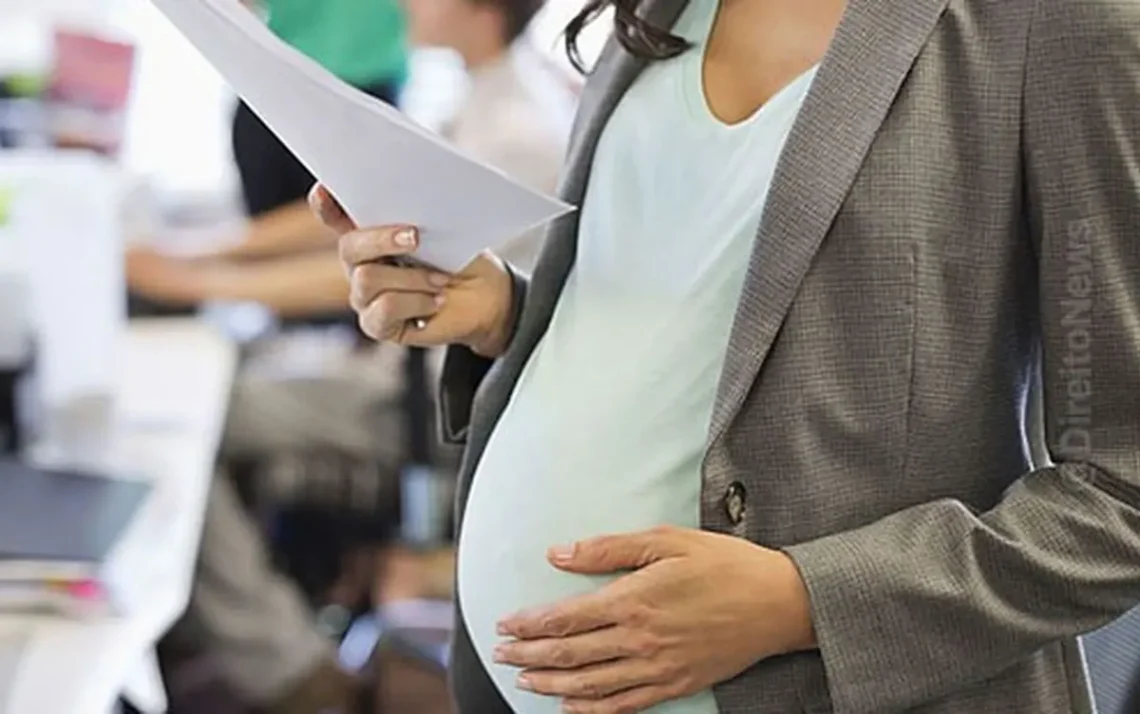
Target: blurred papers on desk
<point>59,537</point>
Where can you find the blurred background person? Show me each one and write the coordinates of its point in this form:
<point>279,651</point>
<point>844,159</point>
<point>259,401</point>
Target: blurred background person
<point>519,105</point>
<point>515,116</point>
<point>363,42</point>
<point>179,145</point>
<point>256,624</point>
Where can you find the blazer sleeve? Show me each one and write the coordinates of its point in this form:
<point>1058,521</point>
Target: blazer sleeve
<point>463,371</point>
<point>937,598</point>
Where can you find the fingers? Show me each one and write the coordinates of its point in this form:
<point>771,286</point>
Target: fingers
<point>630,701</point>
<point>392,301</point>
<point>570,617</point>
<point>626,551</point>
<point>568,653</point>
<point>593,682</point>
<point>388,316</point>
<point>373,244</point>
<point>370,280</point>
<point>329,211</point>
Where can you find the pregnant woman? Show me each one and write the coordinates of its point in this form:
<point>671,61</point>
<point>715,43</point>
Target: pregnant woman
<point>751,438</point>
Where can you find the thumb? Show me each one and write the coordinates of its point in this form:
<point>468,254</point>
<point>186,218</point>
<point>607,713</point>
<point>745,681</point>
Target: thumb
<point>614,553</point>
<point>329,211</point>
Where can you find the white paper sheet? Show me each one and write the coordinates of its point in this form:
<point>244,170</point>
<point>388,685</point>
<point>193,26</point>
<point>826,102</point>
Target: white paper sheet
<point>381,166</point>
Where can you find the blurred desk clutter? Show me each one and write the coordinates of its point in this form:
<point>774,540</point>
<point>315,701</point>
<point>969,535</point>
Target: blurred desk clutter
<point>134,410</point>
<point>170,389</point>
<point>86,394</point>
<point>59,532</point>
<point>110,388</point>
<point>77,99</point>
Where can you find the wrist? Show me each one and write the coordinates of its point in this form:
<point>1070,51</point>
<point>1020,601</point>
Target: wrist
<point>492,341</point>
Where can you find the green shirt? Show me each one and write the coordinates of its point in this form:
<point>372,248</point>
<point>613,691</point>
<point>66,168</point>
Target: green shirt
<point>361,41</point>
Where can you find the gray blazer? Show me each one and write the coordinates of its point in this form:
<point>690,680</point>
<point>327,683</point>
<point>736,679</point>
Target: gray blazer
<point>959,201</point>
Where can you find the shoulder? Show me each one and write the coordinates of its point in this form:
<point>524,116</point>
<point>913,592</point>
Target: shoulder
<point>1086,27</point>
<point>1082,80</point>
<point>1083,55</point>
<point>1059,27</point>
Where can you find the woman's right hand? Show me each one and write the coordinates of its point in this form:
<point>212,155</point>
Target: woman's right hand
<point>418,306</point>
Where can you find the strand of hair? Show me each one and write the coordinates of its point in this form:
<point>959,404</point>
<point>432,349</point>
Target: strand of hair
<point>637,36</point>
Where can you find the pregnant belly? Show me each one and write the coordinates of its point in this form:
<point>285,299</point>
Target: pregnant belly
<point>530,493</point>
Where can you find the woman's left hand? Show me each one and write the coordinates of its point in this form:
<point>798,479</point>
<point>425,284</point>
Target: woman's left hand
<point>696,608</point>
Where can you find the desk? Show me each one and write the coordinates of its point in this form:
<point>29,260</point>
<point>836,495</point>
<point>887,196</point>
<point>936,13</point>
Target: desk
<point>173,390</point>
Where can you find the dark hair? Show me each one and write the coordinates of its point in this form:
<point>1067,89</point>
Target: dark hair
<point>638,36</point>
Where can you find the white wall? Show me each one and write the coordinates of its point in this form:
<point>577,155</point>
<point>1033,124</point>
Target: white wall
<point>178,132</point>
<point>25,26</point>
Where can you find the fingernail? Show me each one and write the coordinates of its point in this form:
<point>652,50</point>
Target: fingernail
<point>439,280</point>
<point>439,300</point>
<point>502,629</point>
<point>406,238</point>
<point>500,655</point>
<point>524,683</point>
<point>562,553</point>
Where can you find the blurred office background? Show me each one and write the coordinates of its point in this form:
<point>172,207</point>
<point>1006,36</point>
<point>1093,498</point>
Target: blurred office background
<point>175,166</point>
<point>152,397</point>
<point>179,122</point>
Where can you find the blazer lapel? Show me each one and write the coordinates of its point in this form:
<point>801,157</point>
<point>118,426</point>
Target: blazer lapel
<point>870,56</point>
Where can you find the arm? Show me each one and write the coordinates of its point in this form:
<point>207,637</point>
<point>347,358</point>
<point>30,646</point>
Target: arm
<point>935,598</point>
<point>289,229</point>
<point>293,286</point>
<point>463,371</point>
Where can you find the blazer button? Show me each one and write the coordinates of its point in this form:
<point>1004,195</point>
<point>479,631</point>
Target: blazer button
<point>735,502</point>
